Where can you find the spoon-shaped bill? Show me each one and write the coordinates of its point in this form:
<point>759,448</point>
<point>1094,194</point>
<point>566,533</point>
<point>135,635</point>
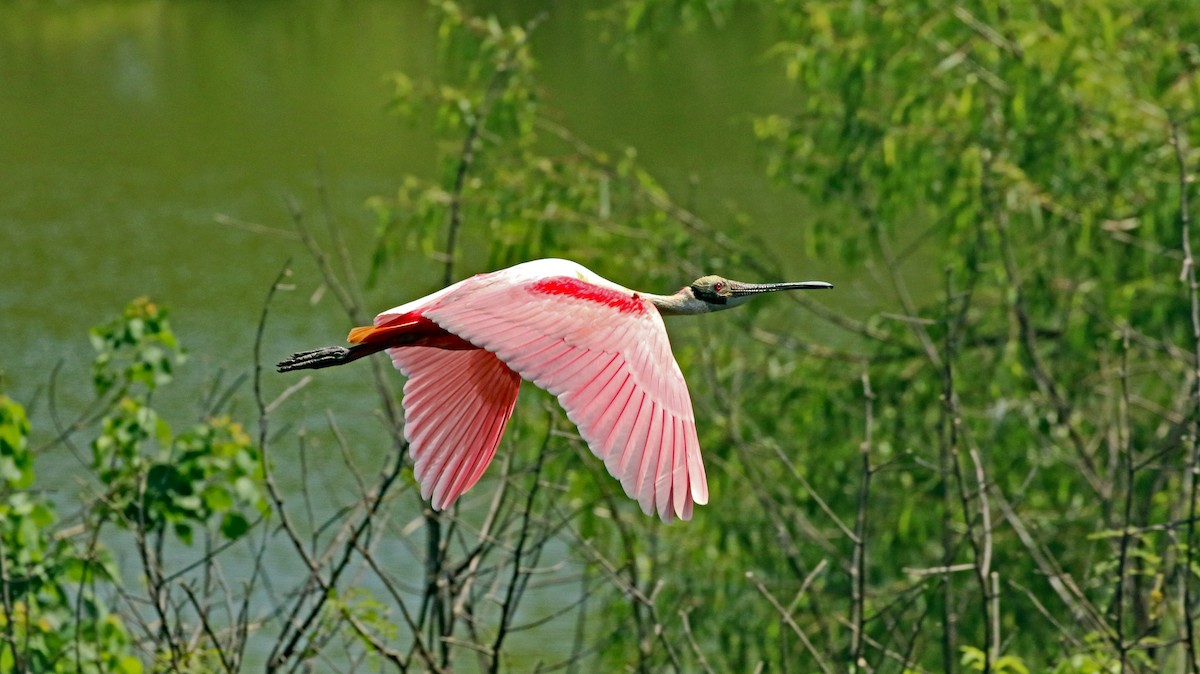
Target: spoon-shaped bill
<point>739,288</point>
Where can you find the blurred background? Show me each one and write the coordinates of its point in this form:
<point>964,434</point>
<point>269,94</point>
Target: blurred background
<point>974,454</point>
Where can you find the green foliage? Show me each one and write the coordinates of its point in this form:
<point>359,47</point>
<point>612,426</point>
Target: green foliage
<point>16,461</point>
<point>1026,151</point>
<point>1090,663</point>
<point>155,480</point>
<point>211,470</point>
<point>47,626</point>
<point>990,474</point>
<point>511,180</point>
<point>207,478</point>
<point>1056,114</point>
<point>135,349</point>
<point>974,660</point>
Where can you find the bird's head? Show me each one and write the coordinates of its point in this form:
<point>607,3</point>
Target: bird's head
<point>721,293</point>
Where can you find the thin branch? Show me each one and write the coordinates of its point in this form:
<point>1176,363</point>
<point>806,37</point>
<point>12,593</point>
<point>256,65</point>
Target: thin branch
<point>1126,450</point>
<point>418,643</point>
<point>1061,582</point>
<point>335,234</point>
<point>344,296</point>
<point>1041,375</point>
<point>1188,276</point>
<point>225,659</point>
<point>511,597</point>
<point>1059,628</point>
<point>790,622</point>
<point>286,647</point>
<point>884,245</point>
<point>691,638</point>
<point>858,564</point>
<point>470,145</point>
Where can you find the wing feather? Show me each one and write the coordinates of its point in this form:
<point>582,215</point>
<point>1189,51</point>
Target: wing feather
<point>456,405</point>
<point>610,418</point>
<point>631,453</point>
<point>443,438</point>
<point>545,351</point>
<point>584,374</point>
<point>638,477</point>
<point>697,481</point>
<point>679,489</point>
<point>456,427</point>
<point>604,352</point>
<point>489,426</point>
<point>564,364</point>
<point>476,464</point>
<point>455,468</point>
<point>621,426</point>
<point>662,472</point>
<point>593,390</point>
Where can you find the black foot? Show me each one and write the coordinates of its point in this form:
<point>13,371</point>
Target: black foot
<point>317,358</point>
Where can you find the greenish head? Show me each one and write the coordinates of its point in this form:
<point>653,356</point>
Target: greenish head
<point>723,293</point>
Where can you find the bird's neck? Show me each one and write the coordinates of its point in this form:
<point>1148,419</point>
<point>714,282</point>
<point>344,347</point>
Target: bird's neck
<point>682,303</point>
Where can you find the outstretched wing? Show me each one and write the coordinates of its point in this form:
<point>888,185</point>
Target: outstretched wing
<point>456,405</point>
<point>604,352</point>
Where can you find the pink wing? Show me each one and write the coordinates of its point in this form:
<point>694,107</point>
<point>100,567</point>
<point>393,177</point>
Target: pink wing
<point>605,354</point>
<point>456,405</point>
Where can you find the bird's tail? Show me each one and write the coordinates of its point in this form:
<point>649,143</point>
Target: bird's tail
<point>326,357</point>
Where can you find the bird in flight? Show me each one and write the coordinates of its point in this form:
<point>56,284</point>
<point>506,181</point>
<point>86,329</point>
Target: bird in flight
<point>599,347</point>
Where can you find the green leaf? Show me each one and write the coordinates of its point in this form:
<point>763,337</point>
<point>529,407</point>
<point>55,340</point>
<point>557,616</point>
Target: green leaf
<point>233,525</point>
<point>128,664</point>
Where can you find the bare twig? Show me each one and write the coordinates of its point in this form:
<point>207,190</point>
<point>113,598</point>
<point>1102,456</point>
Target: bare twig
<point>791,623</point>
<point>1125,447</point>
<point>1061,582</point>
<point>884,245</point>
<point>511,596</point>
<point>1188,276</point>
<point>418,643</point>
<point>858,564</point>
<point>335,235</point>
<point>1059,628</point>
<point>470,145</point>
<point>286,647</point>
<point>1041,375</point>
<point>947,467</point>
<point>344,296</point>
<point>201,611</point>
<point>691,638</point>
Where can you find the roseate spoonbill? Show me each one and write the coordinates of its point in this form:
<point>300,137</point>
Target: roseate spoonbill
<point>600,347</point>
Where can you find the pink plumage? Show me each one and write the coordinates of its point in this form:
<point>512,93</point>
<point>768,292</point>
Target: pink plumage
<point>456,405</point>
<point>601,348</point>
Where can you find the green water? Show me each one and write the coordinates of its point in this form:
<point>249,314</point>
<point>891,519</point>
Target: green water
<point>128,127</point>
<point>131,132</point>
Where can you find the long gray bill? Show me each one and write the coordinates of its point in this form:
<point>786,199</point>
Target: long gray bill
<point>740,288</point>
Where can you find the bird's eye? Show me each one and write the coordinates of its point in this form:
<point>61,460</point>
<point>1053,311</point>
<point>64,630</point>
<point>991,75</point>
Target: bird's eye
<point>718,286</point>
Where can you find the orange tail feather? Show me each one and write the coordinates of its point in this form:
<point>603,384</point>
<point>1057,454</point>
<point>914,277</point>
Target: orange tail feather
<point>361,334</point>
<point>407,330</point>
